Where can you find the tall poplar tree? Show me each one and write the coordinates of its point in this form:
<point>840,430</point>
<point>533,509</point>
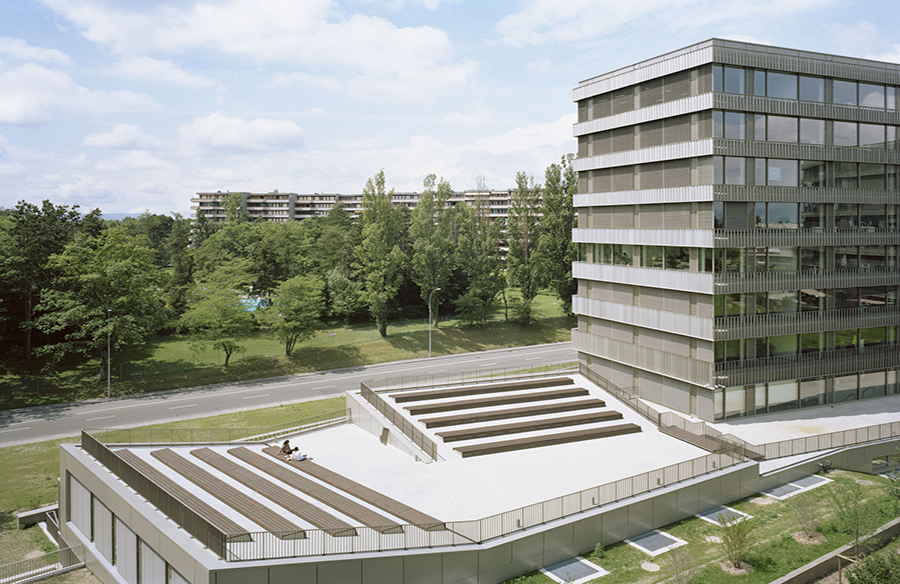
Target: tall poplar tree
<point>556,250</point>
<point>478,258</point>
<point>522,231</point>
<point>430,231</point>
<point>380,259</point>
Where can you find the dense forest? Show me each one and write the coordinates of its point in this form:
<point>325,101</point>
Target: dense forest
<point>71,282</point>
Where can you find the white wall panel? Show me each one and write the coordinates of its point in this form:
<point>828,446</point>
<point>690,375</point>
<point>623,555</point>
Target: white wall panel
<point>80,505</point>
<point>649,277</point>
<point>153,567</point>
<point>672,237</point>
<point>126,553</point>
<point>176,578</point>
<point>659,111</point>
<point>696,193</point>
<point>682,324</point>
<point>690,149</point>
<point>103,530</point>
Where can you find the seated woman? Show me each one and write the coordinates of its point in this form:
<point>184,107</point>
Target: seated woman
<point>286,449</point>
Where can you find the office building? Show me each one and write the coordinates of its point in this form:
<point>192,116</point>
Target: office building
<point>737,222</point>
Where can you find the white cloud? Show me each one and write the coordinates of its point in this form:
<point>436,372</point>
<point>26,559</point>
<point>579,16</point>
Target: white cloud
<point>232,133</point>
<point>19,49</point>
<point>544,21</point>
<point>29,94</point>
<point>148,68</point>
<point>123,136</point>
<point>134,160</point>
<point>367,55</point>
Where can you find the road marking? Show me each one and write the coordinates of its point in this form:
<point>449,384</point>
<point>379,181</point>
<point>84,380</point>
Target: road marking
<point>441,371</point>
<point>323,387</point>
<point>533,358</point>
<point>100,418</point>
<point>28,422</point>
<point>256,396</point>
<point>187,406</point>
<point>15,429</point>
<point>487,364</point>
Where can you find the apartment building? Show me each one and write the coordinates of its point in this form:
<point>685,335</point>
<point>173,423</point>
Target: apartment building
<point>737,223</point>
<point>281,207</point>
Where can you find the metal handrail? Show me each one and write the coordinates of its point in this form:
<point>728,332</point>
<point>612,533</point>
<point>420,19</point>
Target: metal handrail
<point>465,377</point>
<point>43,566</point>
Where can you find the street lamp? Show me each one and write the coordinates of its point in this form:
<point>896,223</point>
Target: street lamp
<point>108,355</point>
<point>429,319</point>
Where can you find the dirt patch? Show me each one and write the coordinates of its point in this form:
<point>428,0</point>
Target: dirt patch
<point>712,539</point>
<point>32,555</point>
<point>865,483</point>
<point>761,501</point>
<point>729,568</point>
<point>801,538</point>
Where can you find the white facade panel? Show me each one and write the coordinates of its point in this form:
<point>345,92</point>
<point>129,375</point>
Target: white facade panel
<point>676,237</point>
<point>681,324</point>
<point>103,530</point>
<point>659,111</point>
<point>648,277</point>
<point>692,194</point>
<point>80,506</point>
<point>153,567</point>
<point>176,578</point>
<point>690,149</point>
<point>126,553</point>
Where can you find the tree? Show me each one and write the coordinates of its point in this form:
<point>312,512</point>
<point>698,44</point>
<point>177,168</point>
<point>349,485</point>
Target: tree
<point>683,565</point>
<point>218,313</point>
<point>182,263</point>
<point>522,231</point>
<point>882,568</point>
<point>853,513</point>
<point>737,538</point>
<point>805,512</point>
<point>344,295</point>
<point>157,229</point>
<point>380,259</point>
<point>556,250</point>
<point>430,231</point>
<point>39,232</point>
<point>235,210</point>
<point>478,258</point>
<point>107,285</point>
<point>295,308</point>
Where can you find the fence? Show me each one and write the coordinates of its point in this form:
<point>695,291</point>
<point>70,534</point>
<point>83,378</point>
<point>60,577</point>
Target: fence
<point>43,566</point>
<point>268,545</point>
<point>464,377</point>
<point>163,436</point>
<point>623,395</point>
<point>827,441</point>
<point>426,444</point>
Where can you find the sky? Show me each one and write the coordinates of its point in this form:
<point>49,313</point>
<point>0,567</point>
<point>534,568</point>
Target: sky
<point>136,105</point>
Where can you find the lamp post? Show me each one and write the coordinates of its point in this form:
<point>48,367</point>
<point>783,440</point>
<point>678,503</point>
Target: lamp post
<point>429,319</point>
<point>108,355</point>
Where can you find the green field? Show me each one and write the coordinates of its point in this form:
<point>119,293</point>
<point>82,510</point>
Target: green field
<point>176,361</point>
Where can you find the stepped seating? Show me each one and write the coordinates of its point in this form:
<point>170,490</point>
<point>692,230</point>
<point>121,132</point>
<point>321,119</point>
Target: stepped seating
<point>546,440</point>
<point>284,498</point>
<point>267,518</point>
<point>480,389</point>
<point>232,530</point>
<point>476,417</point>
<point>363,493</point>
<point>348,507</point>
<point>529,426</point>
<point>486,402</point>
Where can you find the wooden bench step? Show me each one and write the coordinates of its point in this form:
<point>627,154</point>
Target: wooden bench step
<point>548,440</point>
<point>232,530</point>
<point>363,493</point>
<point>348,507</point>
<point>480,389</point>
<point>260,514</point>
<point>496,401</point>
<point>506,413</point>
<point>280,496</point>
<point>529,426</point>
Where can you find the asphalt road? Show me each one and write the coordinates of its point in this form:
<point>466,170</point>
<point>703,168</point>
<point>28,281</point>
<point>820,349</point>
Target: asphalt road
<point>42,423</point>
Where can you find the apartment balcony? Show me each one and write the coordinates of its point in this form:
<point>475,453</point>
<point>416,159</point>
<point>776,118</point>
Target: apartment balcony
<point>805,365</point>
<point>734,282</point>
<point>790,323</point>
<point>805,237</point>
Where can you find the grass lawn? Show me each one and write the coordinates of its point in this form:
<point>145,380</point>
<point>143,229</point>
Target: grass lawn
<point>774,551</point>
<point>175,361</point>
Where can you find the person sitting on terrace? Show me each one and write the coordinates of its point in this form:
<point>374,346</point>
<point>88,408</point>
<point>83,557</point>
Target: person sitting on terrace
<point>286,450</point>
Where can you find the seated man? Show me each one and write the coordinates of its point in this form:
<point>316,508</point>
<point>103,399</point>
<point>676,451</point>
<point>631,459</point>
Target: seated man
<point>296,456</point>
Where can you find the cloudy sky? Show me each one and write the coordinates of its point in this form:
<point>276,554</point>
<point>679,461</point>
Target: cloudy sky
<point>133,105</point>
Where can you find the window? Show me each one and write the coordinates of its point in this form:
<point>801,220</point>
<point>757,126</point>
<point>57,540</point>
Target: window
<point>735,125</point>
<point>871,176</point>
<point>812,215</point>
<point>783,396</point>
<point>735,170</point>
<point>845,134</point>
<point>785,301</point>
<point>844,92</point>
<point>812,174</point>
<point>812,131</point>
<point>782,172</point>
<point>783,216</point>
<point>783,259</point>
<point>782,129</point>
<point>782,85</point>
<point>623,254</point>
<point>845,387</point>
<point>718,124</point>
<point>871,95</point>
<point>678,258</point>
<point>845,176</point>
<point>871,136</point>
<point>812,88</point>
<point>718,78</point>
<point>759,82</point>
<point>735,80</point>
<point>812,392</point>
<point>652,256</point>
<point>759,127</point>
